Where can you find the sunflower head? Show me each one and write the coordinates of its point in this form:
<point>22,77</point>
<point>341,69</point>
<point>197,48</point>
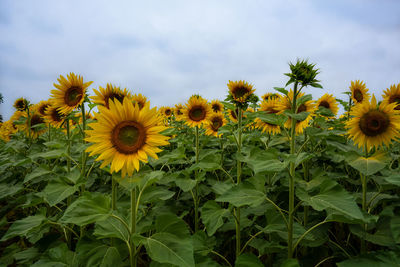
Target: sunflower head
<point>268,96</point>
<point>124,135</point>
<point>329,102</point>
<point>196,112</point>
<point>216,121</point>
<point>70,92</point>
<point>392,95</point>
<point>217,106</point>
<point>178,111</point>
<point>372,125</point>
<point>111,92</point>
<point>54,117</point>
<point>21,104</point>
<point>166,112</point>
<point>42,106</point>
<point>33,123</point>
<point>269,106</point>
<point>6,130</point>
<point>304,73</point>
<point>359,92</point>
<point>139,99</point>
<point>240,92</point>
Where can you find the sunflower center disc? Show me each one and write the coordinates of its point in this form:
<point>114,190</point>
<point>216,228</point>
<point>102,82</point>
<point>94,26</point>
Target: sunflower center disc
<point>374,123</point>
<point>358,95</point>
<point>324,104</point>
<point>42,109</point>
<point>168,112</point>
<point>215,108</point>
<point>56,116</point>
<point>233,114</point>
<point>301,108</point>
<point>216,124</point>
<point>128,137</point>
<point>395,99</point>
<point>20,105</point>
<point>240,91</point>
<point>36,119</point>
<point>114,96</point>
<point>197,113</point>
<point>72,96</point>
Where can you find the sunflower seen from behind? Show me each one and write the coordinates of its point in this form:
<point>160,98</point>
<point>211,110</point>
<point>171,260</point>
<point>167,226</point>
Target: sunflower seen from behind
<point>125,135</point>
<point>70,92</point>
<point>196,112</point>
<point>392,95</point>
<point>21,104</point>
<point>269,106</point>
<point>216,121</point>
<point>373,125</point>
<point>359,92</point>
<point>329,102</point>
<point>111,92</point>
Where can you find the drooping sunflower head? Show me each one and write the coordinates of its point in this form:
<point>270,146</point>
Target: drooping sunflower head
<point>216,121</point>
<point>392,95</point>
<point>269,106</point>
<point>240,91</point>
<point>34,121</point>
<point>6,130</point>
<point>54,117</point>
<point>70,92</point>
<point>196,111</point>
<point>359,92</point>
<point>124,135</point>
<point>42,106</point>
<point>139,99</point>
<point>111,92</point>
<point>217,106</point>
<point>21,104</point>
<point>285,103</point>
<point>268,96</point>
<point>329,102</point>
<point>372,125</point>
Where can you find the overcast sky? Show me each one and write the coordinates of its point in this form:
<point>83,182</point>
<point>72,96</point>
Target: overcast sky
<point>169,50</point>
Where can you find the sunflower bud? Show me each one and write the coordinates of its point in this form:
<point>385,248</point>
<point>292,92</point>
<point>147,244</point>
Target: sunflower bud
<point>303,73</point>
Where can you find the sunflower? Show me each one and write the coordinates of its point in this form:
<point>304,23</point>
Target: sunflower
<point>16,117</point>
<point>124,134</point>
<point>329,102</point>
<point>166,112</point>
<point>35,119</point>
<point>70,93</point>
<point>372,125</point>
<point>178,112</point>
<point>216,121</point>
<point>286,104</point>
<point>42,106</point>
<point>359,92</point>
<point>240,91</point>
<point>54,117</point>
<point>21,104</point>
<point>217,106</point>
<point>267,96</point>
<point>269,106</point>
<point>6,130</point>
<point>196,112</point>
<point>392,95</point>
<point>112,92</point>
<point>140,99</point>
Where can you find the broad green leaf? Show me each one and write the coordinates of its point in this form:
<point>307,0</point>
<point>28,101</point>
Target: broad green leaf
<point>9,189</point>
<point>375,259</point>
<point>51,154</point>
<point>213,216</point>
<point>154,193</point>
<point>297,159</point>
<point>267,165</point>
<point>297,116</point>
<point>59,256</point>
<point>37,172</point>
<point>395,227</point>
<point>89,208</point>
<point>281,90</point>
<point>167,248</point>
<point>370,165</point>
<point>111,227</point>
<point>27,256</point>
<point>382,235</point>
<point>57,190</point>
<point>241,195</point>
<point>248,260</point>
<point>94,253</point>
<point>170,223</point>
<point>393,179</point>
<point>203,244</point>
<point>24,226</point>
<point>331,195</point>
<point>185,183</point>
<point>290,263</point>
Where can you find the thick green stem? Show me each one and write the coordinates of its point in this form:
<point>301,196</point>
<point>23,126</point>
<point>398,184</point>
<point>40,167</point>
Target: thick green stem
<point>69,199</point>
<point>196,197</point>
<point>364,204</point>
<point>133,258</point>
<point>239,173</point>
<point>83,168</point>
<point>292,173</point>
<point>29,126</point>
<point>113,193</point>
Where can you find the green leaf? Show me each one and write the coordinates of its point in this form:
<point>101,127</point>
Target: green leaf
<point>395,227</point>
<point>57,190</point>
<point>376,259</point>
<point>290,263</point>
<point>203,244</point>
<point>59,256</point>
<point>111,227</point>
<point>9,189</point>
<point>24,226</point>
<point>281,90</point>
<point>94,253</point>
<point>297,116</point>
<point>297,159</point>
<point>248,260</point>
<point>393,179</point>
<point>243,194</point>
<point>37,172</point>
<point>185,184</point>
<point>167,248</point>
<point>370,165</point>
<point>213,216</point>
<point>153,193</point>
<point>89,208</point>
<point>170,223</point>
<point>52,154</point>
<point>326,193</point>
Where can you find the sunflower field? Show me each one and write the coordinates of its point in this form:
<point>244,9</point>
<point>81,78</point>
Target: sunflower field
<point>281,180</point>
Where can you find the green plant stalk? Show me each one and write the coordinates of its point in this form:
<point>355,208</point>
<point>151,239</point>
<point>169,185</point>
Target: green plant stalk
<point>239,173</point>
<point>133,258</point>
<point>113,194</point>
<point>292,174</point>
<point>49,132</point>
<point>196,193</point>
<point>69,199</point>
<point>29,126</point>
<point>364,204</point>
<point>83,168</point>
